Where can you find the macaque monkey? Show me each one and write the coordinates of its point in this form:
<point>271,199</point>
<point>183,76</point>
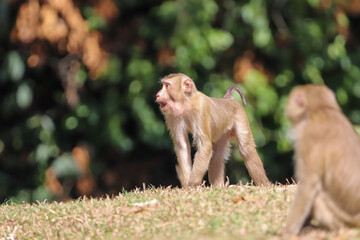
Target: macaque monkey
<point>327,158</point>
<point>212,122</point>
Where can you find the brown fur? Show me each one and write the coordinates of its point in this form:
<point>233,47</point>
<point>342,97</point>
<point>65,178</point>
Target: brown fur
<point>327,156</point>
<point>211,121</point>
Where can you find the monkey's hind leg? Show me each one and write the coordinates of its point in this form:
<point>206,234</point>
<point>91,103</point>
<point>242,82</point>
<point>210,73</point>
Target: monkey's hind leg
<point>327,214</point>
<point>248,152</point>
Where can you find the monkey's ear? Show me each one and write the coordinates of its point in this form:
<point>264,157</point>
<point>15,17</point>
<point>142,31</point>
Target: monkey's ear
<point>187,85</point>
<point>300,99</point>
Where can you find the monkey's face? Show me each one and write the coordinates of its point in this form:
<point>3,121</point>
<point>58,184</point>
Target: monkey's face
<point>296,105</point>
<point>174,94</point>
<point>166,97</point>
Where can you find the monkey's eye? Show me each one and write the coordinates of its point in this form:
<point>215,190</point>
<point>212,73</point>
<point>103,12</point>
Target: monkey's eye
<point>167,85</point>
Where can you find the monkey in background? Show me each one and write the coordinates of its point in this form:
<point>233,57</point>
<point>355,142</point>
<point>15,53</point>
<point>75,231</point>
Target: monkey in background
<point>212,122</point>
<point>327,161</point>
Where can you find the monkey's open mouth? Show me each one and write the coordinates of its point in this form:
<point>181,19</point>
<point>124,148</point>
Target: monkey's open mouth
<point>162,104</point>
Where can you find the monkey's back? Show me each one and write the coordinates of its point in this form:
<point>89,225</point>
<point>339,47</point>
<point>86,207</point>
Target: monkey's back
<point>335,139</point>
<point>225,111</point>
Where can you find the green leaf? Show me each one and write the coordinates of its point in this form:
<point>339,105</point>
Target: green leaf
<point>220,40</point>
<point>15,66</point>
<point>24,96</point>
<point>65,166</point>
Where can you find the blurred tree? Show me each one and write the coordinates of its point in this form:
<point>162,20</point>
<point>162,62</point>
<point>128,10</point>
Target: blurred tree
<point>78,80</point>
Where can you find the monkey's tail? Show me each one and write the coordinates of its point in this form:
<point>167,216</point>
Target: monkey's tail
<point>229,90</point>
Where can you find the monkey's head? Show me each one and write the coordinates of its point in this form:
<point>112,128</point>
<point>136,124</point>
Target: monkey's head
<point>175,92</point>
<point>306,99</point>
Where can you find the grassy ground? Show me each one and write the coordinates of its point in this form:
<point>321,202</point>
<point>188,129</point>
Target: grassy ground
<point>236,212</point>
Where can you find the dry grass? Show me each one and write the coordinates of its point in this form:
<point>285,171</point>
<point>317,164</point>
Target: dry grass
<point>237,212</point>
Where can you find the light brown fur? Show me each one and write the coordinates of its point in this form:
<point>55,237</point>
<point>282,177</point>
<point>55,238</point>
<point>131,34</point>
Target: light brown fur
<point>211,121</point>
<point>327,157</point>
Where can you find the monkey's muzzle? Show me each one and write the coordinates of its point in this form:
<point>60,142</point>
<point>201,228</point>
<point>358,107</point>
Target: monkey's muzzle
<point>162,104</point>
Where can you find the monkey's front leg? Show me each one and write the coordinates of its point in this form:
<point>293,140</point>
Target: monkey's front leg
<point>220,154</point>
<point>183,155</point>
<point>201,162</point>
<point>302,206</point>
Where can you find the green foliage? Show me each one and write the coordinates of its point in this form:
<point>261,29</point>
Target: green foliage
<point>293,42</point>
<point>254,13</point>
